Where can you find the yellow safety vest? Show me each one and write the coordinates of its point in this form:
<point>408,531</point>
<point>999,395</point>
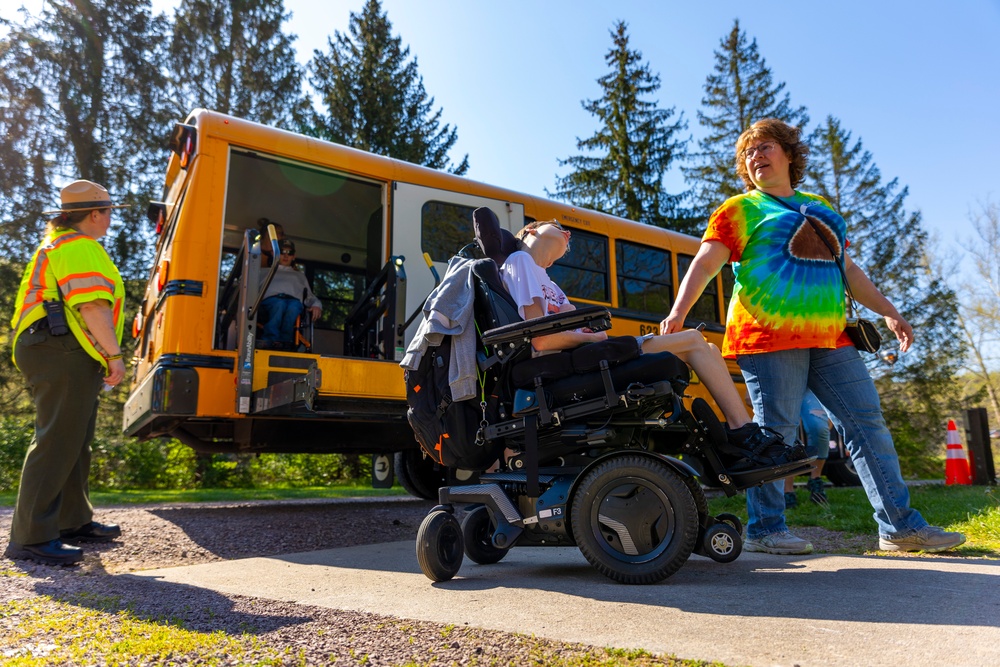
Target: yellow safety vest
<point>81,268</point>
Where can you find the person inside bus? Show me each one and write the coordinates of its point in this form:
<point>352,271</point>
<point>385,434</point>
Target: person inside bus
<point>266,252</point>
<point>524,275</point>
<point>786,330</point>
<point>287,297</point>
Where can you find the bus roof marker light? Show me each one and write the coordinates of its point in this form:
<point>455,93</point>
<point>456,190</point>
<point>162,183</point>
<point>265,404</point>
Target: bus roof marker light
<point>157,214</point>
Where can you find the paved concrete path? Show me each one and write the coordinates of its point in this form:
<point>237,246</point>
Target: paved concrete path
<point>759,610</point>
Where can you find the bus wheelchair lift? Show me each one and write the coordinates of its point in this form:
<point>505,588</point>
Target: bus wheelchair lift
<point>605,455</point>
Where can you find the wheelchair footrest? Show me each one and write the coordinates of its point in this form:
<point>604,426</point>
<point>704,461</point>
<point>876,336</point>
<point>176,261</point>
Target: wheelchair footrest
<point>744,479</point>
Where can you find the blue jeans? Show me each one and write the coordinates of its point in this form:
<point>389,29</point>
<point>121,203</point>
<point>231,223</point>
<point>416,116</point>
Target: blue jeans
<point>816,425</point>
<point>278,314</point>
<point>776,382</point>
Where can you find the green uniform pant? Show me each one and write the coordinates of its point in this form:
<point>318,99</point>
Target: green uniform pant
<point>65,383</point>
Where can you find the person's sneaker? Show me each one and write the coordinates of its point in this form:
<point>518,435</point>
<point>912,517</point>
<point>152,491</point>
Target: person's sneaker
<point>929,538</point>
<point>817,492</point>
<point>756,446</point>
<point>783,543</point>
<point>791,500</point>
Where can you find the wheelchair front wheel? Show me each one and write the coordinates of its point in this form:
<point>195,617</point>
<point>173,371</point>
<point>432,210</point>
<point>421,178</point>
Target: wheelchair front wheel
<point>634,519</point>
<point>722,543</point>
<point>439,546</point>
<point>732,520</point>
<point>477,533</point>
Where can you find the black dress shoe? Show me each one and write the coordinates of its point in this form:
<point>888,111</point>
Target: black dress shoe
<point>93,532</point>
<point>53,552</point>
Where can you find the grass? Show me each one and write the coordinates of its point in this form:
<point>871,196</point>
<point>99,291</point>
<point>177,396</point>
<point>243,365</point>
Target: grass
<point>973,510</point>
<point>43,631</point>
<point>150,496</point>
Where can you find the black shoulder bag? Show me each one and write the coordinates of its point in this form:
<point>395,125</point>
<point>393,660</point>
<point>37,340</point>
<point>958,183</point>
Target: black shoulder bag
<point>862,332</point>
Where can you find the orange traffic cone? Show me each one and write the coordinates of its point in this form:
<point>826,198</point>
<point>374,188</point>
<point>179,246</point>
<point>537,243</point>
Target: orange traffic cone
<point>956,466</point>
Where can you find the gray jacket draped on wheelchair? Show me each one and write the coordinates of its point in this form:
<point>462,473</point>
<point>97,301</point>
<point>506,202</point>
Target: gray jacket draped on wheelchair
<point>448,312</point>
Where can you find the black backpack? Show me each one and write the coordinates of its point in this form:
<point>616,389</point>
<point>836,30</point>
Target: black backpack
<point>446,430</point>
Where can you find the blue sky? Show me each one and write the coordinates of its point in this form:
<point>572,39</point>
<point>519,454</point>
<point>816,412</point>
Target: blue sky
<point>917,81</point>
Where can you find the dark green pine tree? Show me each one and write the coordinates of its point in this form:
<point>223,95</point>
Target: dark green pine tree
<point>81,99</point>
<point>632,149</point>
<point>890,244</point>
<point>234,57</point>
<point>373,99</point>
<point>738,93</point>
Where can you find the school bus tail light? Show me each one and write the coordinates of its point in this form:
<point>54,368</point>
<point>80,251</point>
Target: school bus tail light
<point>136,325</point>
<point>162,271</point>
<point>183,141</point>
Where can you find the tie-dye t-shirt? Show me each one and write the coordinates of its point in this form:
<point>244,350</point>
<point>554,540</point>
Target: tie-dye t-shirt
<point>789,293</point>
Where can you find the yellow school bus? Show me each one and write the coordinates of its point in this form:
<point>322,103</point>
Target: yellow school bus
<point>371,233</point>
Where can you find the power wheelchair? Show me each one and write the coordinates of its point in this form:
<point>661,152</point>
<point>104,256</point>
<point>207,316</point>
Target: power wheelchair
<point>606,457</point>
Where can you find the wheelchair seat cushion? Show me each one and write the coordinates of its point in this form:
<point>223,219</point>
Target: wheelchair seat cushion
<point>548,367</point>
<point>617,350</point>
<point>583,359</point>
<point>647,369</point>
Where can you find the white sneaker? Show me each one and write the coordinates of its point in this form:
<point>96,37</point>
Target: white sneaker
<point>783,543</point>
<point>929,538</point>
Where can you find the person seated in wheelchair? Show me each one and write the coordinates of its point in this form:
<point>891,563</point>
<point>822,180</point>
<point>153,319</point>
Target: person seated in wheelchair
<point>287,297</point>
<point>524,275</point>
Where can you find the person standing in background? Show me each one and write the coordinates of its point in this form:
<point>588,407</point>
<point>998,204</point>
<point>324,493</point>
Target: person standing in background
<point>816,425</point>
<point>68,322</point>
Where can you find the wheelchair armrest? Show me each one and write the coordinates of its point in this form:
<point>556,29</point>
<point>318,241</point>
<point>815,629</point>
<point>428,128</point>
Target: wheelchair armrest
<point>597,318</point>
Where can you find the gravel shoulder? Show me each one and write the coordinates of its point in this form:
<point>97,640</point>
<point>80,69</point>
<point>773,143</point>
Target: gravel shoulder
<point>44,610</point>
<point>209,627</point>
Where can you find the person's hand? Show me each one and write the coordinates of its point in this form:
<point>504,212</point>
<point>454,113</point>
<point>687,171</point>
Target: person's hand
<point>598,336</point>
<point>116,372</point>
<point>671,324</point>
<point>316,312</point>
<point>902,330</point>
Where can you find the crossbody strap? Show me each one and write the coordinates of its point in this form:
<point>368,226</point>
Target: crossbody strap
<point>852,304</point>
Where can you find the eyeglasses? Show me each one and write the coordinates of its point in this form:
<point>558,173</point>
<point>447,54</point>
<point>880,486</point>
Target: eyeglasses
<point>764,148</point>
<point>287,252</point>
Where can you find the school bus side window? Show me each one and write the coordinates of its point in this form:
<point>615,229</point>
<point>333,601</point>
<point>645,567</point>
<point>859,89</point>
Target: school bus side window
<point>583,272</point>
<point>445,229</point>
<point>706,308</point>
<point>728,284</point>
<point>644,283</point>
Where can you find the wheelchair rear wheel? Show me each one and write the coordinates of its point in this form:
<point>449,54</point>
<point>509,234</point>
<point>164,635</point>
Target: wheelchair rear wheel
<point>419,475</point>
<point>477,533</point>
<point>439,546</point>
<point>634,519</point>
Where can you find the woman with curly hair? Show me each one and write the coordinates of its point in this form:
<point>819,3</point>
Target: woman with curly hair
<point>786,330</point>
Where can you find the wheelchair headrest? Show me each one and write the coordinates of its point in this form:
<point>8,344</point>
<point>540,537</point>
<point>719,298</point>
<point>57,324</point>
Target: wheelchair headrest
<point>496,243</point>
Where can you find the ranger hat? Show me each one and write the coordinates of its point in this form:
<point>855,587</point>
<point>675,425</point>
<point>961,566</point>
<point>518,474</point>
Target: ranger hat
<point>83,196</point>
